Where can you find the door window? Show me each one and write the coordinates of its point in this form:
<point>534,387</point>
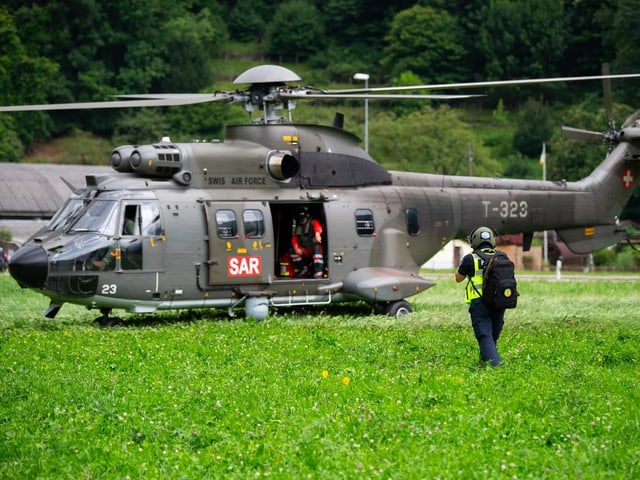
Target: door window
<point>253,223</point>
<point>226,224</point>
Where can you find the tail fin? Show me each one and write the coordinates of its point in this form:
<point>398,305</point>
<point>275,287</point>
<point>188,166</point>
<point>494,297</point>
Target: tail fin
<point>610,187</point>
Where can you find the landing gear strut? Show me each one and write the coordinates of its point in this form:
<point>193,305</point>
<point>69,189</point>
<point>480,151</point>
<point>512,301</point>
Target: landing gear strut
<point>105,321</point>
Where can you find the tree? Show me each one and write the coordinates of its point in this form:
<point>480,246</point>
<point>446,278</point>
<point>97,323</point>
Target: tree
<point>295,32</point>
<point>534,126</point>
<point>426,41</point>
<point>157,45</point>
<point>354,37</point>
<point>522,39</point>
<point>24,79</point>
<point>190,42</point>
<point>432,140</point>
<point>586,25</point>
<point>621,24</point>
<point>248,20</point>
<point>404,107</point>
<point>572,159</point>
<point>11,148</point>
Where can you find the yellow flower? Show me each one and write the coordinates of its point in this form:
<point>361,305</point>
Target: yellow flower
<point>346,380</point>
<point>325,373</point>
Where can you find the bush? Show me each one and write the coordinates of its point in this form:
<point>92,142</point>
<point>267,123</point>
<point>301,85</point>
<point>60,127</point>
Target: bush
<point>604,258</point>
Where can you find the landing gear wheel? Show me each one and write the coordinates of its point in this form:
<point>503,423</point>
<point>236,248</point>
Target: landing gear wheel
<point>106,321</point>
<point>400,308</point>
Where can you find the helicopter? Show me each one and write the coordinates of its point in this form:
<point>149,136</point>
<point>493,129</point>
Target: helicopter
<point>209,224</point>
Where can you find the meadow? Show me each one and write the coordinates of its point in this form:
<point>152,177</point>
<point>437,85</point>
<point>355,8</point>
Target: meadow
<point>326,393</point>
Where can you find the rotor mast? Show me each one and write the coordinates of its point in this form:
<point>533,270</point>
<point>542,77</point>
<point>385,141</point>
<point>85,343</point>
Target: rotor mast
<point>267,84</point>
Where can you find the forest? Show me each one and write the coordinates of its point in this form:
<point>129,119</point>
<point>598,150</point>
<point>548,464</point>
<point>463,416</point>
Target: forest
<point>86,50</point>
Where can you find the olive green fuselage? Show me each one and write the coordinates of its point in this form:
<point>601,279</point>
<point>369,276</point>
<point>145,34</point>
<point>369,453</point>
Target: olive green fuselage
<point>194,225</point>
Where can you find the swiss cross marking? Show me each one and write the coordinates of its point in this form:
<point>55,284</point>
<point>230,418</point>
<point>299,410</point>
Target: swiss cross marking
<point>627,178</point>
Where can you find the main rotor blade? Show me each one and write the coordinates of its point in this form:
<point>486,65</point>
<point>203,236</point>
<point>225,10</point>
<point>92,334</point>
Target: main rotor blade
<point>205,97</point>
<point>497,83</point>
<point>150,101</point>
<point>582,135</point>
<point>366,96</point>
<point>606,92</point>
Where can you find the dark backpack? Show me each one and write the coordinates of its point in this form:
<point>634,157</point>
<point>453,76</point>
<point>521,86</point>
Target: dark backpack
<point>499,286</point>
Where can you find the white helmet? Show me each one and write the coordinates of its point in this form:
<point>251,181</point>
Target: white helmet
<point>482,235</point>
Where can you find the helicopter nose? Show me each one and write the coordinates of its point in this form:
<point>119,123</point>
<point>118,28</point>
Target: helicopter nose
<point>29,266</point>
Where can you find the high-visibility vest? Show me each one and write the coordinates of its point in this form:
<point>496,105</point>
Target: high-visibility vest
<point>474,284</point>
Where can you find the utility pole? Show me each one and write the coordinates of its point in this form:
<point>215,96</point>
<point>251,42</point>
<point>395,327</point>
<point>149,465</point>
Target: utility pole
<point>365,77</point>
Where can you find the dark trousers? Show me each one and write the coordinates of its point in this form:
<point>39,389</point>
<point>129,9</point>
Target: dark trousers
<point>487,325</point>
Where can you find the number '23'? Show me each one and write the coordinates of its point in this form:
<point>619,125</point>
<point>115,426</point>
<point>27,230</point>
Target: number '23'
<point>109,289</point>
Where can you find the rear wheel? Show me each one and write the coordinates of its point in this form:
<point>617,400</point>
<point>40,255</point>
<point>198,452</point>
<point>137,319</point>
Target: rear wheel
<point>400,308</point>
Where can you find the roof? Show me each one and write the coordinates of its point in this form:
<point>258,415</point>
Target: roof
<point>31,191</point>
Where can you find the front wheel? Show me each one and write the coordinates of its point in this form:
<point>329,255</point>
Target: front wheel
<point>400,308</point>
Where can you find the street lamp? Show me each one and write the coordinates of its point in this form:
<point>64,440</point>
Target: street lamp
<point>365,77</point>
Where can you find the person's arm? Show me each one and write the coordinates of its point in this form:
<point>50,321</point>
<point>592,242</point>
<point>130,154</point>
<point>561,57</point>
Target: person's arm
<point>295,244</point>
<point>317,230</point>
<point>465,269</point>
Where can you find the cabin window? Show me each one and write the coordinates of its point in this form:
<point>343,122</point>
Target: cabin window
<point>226,224</point>
<point>364,222</point>
<point>253,223</point>
<point>413,224</point>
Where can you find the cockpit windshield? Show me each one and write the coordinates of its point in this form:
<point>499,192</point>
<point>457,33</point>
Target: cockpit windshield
<point>99,217</point>
<point>66,214</point>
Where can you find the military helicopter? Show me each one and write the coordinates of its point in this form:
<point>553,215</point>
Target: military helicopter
<point>209,224</point>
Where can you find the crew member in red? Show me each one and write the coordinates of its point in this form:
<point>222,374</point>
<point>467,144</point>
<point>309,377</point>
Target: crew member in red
<point>306,245</point>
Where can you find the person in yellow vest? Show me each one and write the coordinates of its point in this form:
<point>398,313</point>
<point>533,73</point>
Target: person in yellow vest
<point>487,322</point>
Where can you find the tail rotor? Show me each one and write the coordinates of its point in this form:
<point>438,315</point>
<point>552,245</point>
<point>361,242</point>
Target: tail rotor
<point>612,136</point>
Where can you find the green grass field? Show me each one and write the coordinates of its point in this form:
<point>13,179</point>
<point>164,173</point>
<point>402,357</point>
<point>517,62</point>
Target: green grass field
<point>326,394</point>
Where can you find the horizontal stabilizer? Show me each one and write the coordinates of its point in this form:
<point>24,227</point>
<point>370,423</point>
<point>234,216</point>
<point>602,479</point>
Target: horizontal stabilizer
<point>590,239</point>
<point>384,284</point>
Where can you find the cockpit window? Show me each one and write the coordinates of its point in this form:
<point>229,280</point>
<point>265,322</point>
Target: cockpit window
<point>66,214</point>
<point>131,222</point>
<point>142,220</point>
<point>99,217</point>
<point>71,210</point>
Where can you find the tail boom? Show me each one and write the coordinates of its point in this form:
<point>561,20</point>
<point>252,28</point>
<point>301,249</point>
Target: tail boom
<point>585,213</point>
